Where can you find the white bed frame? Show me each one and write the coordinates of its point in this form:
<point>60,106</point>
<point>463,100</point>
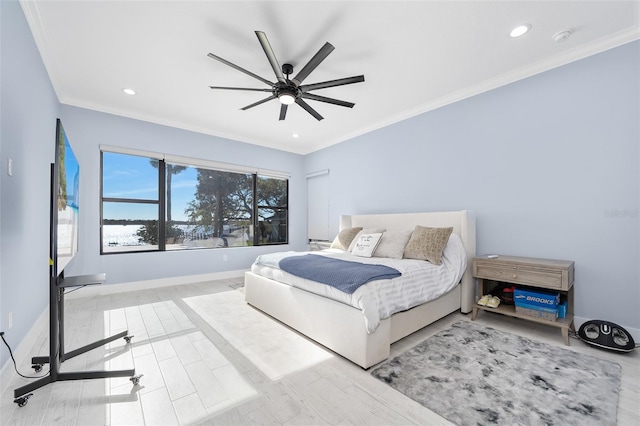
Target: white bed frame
<point>341,327</point>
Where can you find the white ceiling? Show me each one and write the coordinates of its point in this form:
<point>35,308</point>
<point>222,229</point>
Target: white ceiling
<point>415,56</point>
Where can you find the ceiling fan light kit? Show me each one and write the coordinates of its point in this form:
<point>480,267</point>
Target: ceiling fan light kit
<point>287,95</point>
<point>286,98</point>
<point>290,91</point>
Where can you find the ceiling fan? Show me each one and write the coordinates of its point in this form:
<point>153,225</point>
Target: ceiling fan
<point>290,91</point>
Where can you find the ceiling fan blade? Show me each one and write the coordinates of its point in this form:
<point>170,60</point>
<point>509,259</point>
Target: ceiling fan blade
<point>313,63</point>
<point>327,100</point>
<point>240,88</point>
<point>266,46</point>
<point>283,112</point>
<point>332,83</point>
<point>234,66</point>
<point>307,108</point>
<point>259,102</point>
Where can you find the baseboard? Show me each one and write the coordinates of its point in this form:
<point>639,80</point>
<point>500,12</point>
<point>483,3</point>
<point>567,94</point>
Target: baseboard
<point>22,351</point>
<point>101,290</point>
<point>635,332</point>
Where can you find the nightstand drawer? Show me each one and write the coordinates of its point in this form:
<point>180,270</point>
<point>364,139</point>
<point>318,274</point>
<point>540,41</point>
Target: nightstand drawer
<point>520,275</point>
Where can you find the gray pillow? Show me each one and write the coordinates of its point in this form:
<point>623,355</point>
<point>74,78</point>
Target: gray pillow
<point>392,244</point>
<point>427,243</point>
<point>344,238</point>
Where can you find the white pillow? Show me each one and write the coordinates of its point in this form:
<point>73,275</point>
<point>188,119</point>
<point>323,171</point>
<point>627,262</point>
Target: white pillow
<point>364,231</point>
<point>366,245</point>
<point>392,244</point>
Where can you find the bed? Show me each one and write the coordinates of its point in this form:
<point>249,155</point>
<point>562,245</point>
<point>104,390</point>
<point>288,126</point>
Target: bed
<point>340,326</point>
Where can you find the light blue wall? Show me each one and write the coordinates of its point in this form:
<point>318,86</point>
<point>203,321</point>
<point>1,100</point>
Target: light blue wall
<point>550,165</point>
<point>29,109</point>
<point>87,130</point>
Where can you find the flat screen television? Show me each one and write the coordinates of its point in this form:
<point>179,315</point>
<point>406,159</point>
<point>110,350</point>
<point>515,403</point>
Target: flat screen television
<point>65,179</point>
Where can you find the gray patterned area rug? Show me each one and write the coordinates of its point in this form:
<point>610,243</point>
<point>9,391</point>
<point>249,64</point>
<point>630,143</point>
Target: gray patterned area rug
<point>475,375</point>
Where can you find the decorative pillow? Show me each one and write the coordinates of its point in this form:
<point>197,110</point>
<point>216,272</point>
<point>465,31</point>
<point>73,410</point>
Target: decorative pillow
<point>365,231</point>
<point>344,238</point>
<point>366,244</point>
<point>427,243</point>
<point>392,244</point>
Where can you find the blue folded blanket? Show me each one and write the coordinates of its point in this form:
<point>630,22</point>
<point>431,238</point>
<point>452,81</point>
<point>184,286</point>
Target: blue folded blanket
<point>344,275</point>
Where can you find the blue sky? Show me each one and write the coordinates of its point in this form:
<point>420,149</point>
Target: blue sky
<point>128,176</point>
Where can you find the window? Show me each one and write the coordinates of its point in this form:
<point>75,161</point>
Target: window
<point>159,202</point>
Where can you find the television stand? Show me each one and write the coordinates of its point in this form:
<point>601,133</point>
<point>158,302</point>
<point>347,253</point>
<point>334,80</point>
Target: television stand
<point>57,355</point>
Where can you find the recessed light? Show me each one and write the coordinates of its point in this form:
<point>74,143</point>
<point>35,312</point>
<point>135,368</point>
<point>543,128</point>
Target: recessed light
<point>520,30</point>
<point>295,135</point>
<point>129,91</point>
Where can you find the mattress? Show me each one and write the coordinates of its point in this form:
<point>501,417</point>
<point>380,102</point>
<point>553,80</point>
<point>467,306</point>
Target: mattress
<point>421,281</point>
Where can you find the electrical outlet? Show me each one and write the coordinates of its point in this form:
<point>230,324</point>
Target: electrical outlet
<point>224,257</point>
<point>10,167</point>
<point>10,320</point>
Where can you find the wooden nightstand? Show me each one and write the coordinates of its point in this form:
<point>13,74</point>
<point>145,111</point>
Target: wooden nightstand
<point>556,275</point>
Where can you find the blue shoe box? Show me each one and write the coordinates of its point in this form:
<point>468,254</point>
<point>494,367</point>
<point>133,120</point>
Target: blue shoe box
<point>536,299</point>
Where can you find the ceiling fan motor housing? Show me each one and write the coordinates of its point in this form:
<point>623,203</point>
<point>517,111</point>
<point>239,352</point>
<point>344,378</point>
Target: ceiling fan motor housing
<point>287,69</point>
<point>286,89</point>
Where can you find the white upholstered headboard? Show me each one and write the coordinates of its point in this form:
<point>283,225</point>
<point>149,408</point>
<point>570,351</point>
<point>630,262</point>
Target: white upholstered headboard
<point>463,223</point>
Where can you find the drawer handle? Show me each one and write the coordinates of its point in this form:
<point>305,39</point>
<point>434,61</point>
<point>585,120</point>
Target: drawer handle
<point>515,276</point>
<point>515,267</point>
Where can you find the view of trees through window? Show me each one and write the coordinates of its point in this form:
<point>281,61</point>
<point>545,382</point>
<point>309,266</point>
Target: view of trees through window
<point>150,204</point>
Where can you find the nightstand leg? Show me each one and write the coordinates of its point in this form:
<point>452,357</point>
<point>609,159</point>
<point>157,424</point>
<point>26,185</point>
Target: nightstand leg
<point>479,294</point>
<point>565,335</point>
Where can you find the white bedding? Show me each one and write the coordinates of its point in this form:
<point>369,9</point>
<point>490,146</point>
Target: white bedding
<point>421,281</point>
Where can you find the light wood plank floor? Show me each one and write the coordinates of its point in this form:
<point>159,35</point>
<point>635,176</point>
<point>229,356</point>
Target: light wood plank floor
<point>209,358</point>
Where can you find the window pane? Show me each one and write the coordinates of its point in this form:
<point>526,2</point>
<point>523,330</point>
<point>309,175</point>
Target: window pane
<point>180,186</point>
<point>208,208</point>
<point>272,226</point>
<point>272,197</point>
<point>129,227</point>
<point>272,192</point>
<point>129,176</point>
